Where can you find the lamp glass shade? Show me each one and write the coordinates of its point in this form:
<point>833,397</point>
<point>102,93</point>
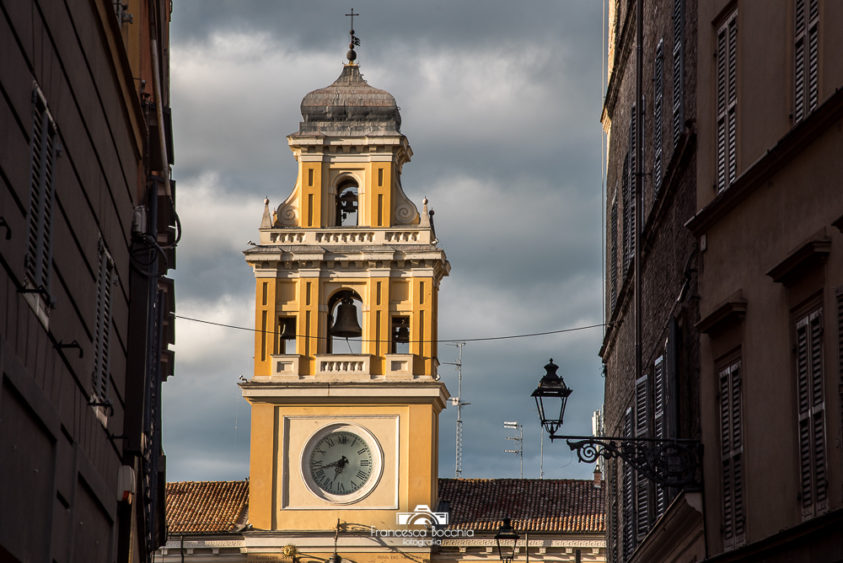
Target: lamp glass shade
<point>551,397</point>
<point>506,533</point>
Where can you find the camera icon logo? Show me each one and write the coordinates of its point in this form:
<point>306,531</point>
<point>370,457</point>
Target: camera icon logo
<point>422,516</point>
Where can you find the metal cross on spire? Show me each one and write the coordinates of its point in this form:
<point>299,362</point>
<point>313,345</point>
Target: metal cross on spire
<point>351,15</point>
<point>351,55</point>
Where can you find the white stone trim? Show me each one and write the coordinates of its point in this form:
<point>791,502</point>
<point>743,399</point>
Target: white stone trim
<point>296,391</point>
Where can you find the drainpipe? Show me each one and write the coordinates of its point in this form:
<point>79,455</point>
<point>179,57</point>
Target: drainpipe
<point>639,177</point>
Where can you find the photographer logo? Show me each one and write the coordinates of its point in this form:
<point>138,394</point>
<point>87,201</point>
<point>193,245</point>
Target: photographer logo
<point>422,516</point>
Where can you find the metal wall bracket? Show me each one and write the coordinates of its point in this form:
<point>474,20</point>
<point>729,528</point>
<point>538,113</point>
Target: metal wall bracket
<point>670,462</point>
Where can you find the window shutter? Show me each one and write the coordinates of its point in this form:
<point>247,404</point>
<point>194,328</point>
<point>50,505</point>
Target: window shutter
<point>633,181</point>
<point>799,61</point>
<point>43,146</point>
<point>102,335</point>
<point>811,420</point>
<point>627,508</point>
<point>612,470</point>
<point>726,102</point>
<point>678,69</point>
<point>642,483</point>
<point>813,54</point>
<point>658,99</point>
<point>840,347</point>
<point>731,456</point>
<point>805,57</point>
<point>659,424</point>
<point>613,256</point>
<point>626,214</point>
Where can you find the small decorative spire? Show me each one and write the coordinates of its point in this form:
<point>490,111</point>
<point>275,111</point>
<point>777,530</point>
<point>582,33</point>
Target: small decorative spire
<point>266,220</point>
<point>424,218</point>
<point>354,41</point>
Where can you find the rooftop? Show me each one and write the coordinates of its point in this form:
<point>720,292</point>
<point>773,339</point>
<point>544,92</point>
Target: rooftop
<point>566,506</point>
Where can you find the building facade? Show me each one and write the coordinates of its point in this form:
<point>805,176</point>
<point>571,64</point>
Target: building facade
<point>768,226</point>
<point>87,234</point>
<point>651,359</point>
<point>748,272</point>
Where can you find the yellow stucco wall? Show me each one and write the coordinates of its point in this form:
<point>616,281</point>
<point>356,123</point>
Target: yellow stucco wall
<point>279,499</point>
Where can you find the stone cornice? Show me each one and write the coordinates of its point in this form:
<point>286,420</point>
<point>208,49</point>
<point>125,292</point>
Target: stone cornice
<point>728,313</point>
<point>372,392</point>
<point>809,254</point>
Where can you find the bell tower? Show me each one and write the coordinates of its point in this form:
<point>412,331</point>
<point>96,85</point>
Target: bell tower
<point>345,397</point>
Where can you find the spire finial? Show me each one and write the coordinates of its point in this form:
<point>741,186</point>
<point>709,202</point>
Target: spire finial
<point>354,41</point>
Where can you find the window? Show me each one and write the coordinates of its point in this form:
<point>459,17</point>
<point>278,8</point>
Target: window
<point>660,424</point>
<point>727,101</point>
<point>642,482</point>
<point>628,195</point>
<point>612,540</point>
<point>731,455</point>
<point>629,189</point>
<point>658,100</point>
<point>678,70</point>
<point>806,20</point>
<point>628,496</point>
<point>613,255</point>
<point>102,332</point>
<point>43,151</point>
<point>813,485</point>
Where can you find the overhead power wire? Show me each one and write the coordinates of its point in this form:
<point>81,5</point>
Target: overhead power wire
<point>441,341</point>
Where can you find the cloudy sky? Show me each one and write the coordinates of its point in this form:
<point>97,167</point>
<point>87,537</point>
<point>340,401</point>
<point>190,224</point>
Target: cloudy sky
<point>500,101</point>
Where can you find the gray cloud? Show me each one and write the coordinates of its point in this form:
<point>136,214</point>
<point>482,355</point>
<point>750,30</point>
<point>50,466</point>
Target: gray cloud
<point>500,102</point>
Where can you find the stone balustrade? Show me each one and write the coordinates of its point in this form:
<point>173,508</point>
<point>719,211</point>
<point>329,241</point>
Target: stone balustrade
<point>345,236</point>
<point>345,367</point>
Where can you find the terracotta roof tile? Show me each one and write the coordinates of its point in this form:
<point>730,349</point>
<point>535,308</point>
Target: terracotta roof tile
<point>535,505</point>
<point>546,505</point>
<point>206,507</point>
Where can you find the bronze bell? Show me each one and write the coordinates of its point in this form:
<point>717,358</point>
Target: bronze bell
<point>401,332</point>
<point>345,325</point>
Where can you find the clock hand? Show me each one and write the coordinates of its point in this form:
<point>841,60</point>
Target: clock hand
<point>340,465</point>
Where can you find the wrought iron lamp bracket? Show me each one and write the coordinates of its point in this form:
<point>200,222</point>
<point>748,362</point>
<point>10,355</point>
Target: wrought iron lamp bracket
<point>668,462</point>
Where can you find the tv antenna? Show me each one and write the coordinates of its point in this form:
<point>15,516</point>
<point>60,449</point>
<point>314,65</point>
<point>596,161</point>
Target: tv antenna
<point>514,425</point>
<point>459,403</point>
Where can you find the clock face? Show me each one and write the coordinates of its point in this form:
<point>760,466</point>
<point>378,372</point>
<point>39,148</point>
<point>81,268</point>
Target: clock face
<point>342,463</point>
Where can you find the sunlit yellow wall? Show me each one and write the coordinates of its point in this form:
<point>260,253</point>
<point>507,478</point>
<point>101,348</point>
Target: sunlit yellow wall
<point>416,460</point>
<point>310,180</point>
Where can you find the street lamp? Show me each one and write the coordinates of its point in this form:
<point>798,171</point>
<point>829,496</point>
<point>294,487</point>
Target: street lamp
<point>550,395</point>
<point>505,533</point>
<point>670,462</point>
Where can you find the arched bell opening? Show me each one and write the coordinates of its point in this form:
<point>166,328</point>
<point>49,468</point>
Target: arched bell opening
<point>345,324</point>
<point>347,203</point>
<point>400,337</point>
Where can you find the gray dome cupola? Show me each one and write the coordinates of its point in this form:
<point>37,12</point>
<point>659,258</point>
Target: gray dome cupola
<point>349,106</point>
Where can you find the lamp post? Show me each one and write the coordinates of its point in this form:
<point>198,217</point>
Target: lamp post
<point>671,462</point>
<point>505,533</point>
